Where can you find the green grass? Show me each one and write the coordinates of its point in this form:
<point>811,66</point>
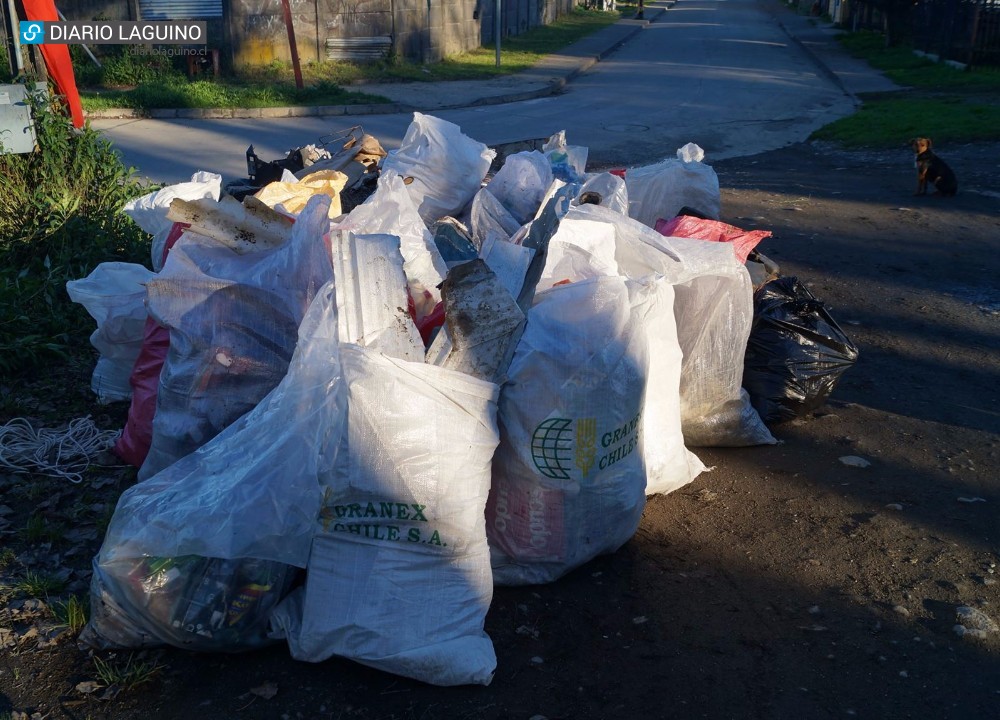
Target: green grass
<point>59,218</point>
<point>37,585</point>
<point>939,101</point>
<point>71,613</point>
<point>273,85</point>
<point>211,94</point>
<point>125,675</point>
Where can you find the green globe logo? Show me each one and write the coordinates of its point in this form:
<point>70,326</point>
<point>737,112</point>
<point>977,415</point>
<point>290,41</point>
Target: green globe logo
<point>552,448</point>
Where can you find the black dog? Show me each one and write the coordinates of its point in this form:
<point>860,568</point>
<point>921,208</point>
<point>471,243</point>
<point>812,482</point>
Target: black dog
<point>931,168</point>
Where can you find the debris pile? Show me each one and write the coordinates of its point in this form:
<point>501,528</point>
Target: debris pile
<point>351,425</point>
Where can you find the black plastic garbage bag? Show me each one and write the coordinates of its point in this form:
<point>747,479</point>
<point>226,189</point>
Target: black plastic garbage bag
<point>796,352</point>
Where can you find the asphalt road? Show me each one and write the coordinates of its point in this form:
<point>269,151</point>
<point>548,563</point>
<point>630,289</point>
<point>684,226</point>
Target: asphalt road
<point>722,74</point>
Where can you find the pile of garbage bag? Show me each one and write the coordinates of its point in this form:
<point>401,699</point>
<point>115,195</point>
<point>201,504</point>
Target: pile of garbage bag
<point>351,426</point>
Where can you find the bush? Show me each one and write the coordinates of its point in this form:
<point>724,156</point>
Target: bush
<point>59,218</point>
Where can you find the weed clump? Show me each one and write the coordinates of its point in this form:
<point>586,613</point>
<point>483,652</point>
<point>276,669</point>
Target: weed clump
<point>60,216</point>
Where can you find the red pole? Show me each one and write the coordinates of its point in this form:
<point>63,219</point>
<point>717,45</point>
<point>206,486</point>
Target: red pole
<point>291,43</point>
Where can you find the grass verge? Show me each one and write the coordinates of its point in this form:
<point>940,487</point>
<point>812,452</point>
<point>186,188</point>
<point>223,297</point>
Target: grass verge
<point>938,101</point>
<point>273,85</point>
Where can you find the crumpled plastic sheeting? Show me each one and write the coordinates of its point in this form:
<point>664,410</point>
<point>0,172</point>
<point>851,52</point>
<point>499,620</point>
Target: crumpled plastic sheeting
<point>290,198</point>
<point>447,167</point>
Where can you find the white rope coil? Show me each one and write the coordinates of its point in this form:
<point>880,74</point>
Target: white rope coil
<point>62,453</point>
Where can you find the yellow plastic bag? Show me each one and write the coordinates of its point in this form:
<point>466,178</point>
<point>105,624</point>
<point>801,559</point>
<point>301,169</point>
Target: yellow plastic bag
<point>291,198</point>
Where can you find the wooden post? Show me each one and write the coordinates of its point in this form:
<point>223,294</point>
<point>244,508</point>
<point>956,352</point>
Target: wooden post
<point>291,43</point>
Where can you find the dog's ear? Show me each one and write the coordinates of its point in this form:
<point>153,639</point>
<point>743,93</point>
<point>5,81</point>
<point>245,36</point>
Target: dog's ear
<point>929,143</point>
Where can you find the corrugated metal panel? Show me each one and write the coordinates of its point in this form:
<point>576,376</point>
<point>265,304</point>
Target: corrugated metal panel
<point>358,48</point>
<point>180,9</point>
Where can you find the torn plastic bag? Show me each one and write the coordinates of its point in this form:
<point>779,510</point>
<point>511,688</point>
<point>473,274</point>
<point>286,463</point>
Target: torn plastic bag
<point>447,167</point>
<point>391,211</point>
<point>150,211</point>
<point>114,294</point>
<point>233,320</point>
<point>662,189</point>
<point>606,190</point>
<point>796,354</point>
<point>399,575</point>
<point>197,555</point>
<point>569,477</point>
<point>743,241</point>
<point>521,183</point>
<point>713,310</point>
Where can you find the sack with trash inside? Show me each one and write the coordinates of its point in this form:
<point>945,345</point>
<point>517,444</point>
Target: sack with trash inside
<point>796,353</point>
<point>233,321</point>
<point>198,555</point>
<point>399,574</point>
<point>569,477</point>
<point>662,189</point>
<point>114,294</point>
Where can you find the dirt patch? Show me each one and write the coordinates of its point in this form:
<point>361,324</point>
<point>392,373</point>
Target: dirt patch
<point>783,583</point>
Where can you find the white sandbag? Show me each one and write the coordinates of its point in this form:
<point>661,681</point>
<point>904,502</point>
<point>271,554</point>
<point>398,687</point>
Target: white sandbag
<point>199,554</point>
<point>390,210</point>
<point>446,166</point>
<point>569,477</point>
<point>150,211</point>
<point>662,189</point>
<point>399,575</point>
<point>521,184</point>
<point>713,310</point>
<point>114,294</point>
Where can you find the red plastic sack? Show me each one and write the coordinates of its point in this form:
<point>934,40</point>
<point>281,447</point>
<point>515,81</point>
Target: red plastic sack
<point>133,445</point>
<point>685,226</point>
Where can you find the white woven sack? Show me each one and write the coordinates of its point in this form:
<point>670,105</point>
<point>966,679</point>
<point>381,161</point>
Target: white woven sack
<point>662,189</point>
<point>713,311</point>
<point>446,167</point>
<point>399,576</point>
<point>569,478</point>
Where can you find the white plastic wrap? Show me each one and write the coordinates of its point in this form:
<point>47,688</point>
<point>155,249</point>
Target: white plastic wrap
<point>662,189</point>
<point>150,211</point>
<point>114,294</point>
<point>446,166</point>
<point>399,576</point>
